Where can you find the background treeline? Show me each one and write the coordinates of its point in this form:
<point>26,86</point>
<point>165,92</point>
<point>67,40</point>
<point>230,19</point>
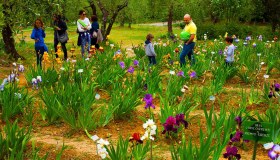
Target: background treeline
<point>214,17</point>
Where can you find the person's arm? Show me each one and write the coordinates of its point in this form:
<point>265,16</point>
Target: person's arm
<point>191,39</point>
<point>80,29</point>
<point>63,27</point>
<point>89,25</point>
<point>33,34</point>
<point>152,49</point>
<point>230,51</point>
<point>43,33</point>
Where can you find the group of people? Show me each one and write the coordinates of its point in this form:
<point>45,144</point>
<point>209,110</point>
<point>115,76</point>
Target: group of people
<point>88,35</point>
<point>189,46</point>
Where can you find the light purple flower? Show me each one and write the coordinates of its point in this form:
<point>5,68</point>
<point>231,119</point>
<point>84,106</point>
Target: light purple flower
<point>149,101</point>
<point>181,74</point>
<point>20,68</point>
<point>193,74</point>
<point>260,37</point>
<point>274,153</point>
<point>122,65</point>
<point>248,38</point>
<point>136,63</point>
<point>130,69</point>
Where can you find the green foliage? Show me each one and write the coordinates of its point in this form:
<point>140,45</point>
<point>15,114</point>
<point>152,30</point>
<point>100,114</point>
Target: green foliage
<point>13,141</point>
<point>14,101</point>
<point>121,150</point>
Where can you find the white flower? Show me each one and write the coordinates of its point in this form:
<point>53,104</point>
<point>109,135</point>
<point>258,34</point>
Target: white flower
<point>74,61</point>
<point>259,54</point>
<point>97,96</point>
<point>212,52</point>
<point>102,142</point>
<point>171,72</point>
<point>215,40</point>
<point>80,70</point>
<point>164,44</point>
<point>18,95</point>
<point>15,64</point>
<point>180,46</point>
<point>175,35</point>
<point>62,68</point>
<point>262,63</point>
<point>102,152</point>
<point>87,59</point>
<point>183,90</point>
<point>39,78</point>
<point>266,76</point>
<point>21,68</point>
<point>95,138</point>
<point>34,80</point>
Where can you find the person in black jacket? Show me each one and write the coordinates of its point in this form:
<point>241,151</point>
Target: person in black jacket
<point>94,28</point>
<point>60,28</point>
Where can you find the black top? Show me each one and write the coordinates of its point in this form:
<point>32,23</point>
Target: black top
<point>62,25</point>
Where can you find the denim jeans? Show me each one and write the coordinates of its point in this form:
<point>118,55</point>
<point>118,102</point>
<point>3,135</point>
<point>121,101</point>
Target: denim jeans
<point>187,50</point>
<point>39,54</point>
<point>152,60</point>
<point>85,40</point>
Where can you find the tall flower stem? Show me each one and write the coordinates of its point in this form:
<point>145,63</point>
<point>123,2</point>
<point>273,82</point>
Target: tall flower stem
<point>151,149</point>
<point>255,150</point>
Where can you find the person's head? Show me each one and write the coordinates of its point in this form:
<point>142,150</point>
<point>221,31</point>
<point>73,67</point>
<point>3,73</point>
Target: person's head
<point>229,40</point>
<point>82,14</point>
<point>38,23</point>
<point>58,18</point>
<point>187,18</point>
<point>94,18</point>
<point>150,37</point>
<point>54,17</point>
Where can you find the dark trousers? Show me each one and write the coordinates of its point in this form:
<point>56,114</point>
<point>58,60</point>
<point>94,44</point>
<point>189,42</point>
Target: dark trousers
<point>93,41</point>
<point>152,60</point>
<point>63,46</point>
<point>39,54</point>
<point>187,51</point>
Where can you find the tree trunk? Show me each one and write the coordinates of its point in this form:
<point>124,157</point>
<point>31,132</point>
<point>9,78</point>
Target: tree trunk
<point>170,19</point>
<point>9,41</point>
<point>93,8</point>
<point>7,32</point>
<point>106,30</point>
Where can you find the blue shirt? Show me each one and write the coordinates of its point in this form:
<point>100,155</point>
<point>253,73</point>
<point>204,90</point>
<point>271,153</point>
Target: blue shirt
<point>230,53</point>
<point>39,34</point>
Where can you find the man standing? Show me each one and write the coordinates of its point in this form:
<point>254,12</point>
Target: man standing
<point>189,44</point>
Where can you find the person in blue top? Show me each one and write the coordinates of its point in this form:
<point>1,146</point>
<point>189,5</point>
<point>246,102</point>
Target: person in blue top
<point>38,34</point>
<point>94,28</point>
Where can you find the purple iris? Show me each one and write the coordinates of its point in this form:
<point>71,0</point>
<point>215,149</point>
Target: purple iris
<point>193,74</point>
<point>260,37</point>
<point>220,52</point>
<point>248,38</point>
<point>122,65</point>
<point>277,87</point>
<point>180,119</point>
<point>170,125</point>
<point>181,74</point>
<point>130,69</point>
<point>232,152</point>
<point>270,95</point>
<point>149,101</point>
<point>274,153</point>
<point>238,120</point>
<point>135,63</point>
<point>254,45</point>
<point>237,137</point>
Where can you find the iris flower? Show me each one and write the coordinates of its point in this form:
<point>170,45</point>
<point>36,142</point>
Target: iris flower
<point>122,65</point>
<point>274,150</point>
<point>231,152</point>
<point>136,137</point>
<point>136,63</point>
<point>170,125</point>
<point>149,101</point>
<point>181,74</point>
<point>130,69</point>
<point>193,74</point>
<point>180,119</point>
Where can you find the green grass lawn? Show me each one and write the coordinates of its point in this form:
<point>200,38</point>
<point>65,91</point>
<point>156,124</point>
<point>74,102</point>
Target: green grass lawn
<point>121,35</point>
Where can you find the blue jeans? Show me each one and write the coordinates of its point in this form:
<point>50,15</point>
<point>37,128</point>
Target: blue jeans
<point>187,50</point>
<point>85,40</point>
<point>152,60</point>
<point>39,54</point>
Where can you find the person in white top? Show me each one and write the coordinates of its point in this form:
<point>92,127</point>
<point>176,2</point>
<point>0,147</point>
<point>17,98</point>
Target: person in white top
<point>229,51</point>
<point>84,26</point>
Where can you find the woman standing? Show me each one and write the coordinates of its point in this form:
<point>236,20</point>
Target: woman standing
<point>84,27</point>
<point>38,34</point>
<point>94,31</point>
<point>60,28</point>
